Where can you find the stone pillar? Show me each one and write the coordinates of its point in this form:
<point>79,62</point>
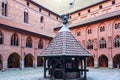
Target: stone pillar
<point>35,64</point>
<point>96,64</point>
<point>22,64</point>
<point>110,64</point>
<point>4,65</point>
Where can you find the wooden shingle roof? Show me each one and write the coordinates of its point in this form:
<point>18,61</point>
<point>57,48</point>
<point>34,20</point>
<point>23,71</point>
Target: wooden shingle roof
<point>65,44</point>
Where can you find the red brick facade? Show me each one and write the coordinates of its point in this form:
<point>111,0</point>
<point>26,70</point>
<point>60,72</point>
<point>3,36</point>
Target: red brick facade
<point>19,55</point>
<point>98,24</point>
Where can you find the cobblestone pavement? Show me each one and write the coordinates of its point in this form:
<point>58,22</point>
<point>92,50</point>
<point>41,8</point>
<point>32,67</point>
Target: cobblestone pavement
<point>37,74</point>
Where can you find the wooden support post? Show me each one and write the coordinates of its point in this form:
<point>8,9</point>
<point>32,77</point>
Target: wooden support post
<point>44,67</point>
<point>81,66</point>
<point>85,68</point>
<point>64,66</point>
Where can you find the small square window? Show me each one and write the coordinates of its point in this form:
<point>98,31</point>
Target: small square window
<point>78,33</point>
<point>27,3</point>
<point>49,13</point>
<point>40,9</point>
<point>78,14</point>
<point>88,10</point>
<point>57,17</point>
<point>100,7</point>
<point>113,2</point>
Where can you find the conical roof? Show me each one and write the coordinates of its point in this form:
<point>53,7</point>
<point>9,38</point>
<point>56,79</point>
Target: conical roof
<point>65,44</point>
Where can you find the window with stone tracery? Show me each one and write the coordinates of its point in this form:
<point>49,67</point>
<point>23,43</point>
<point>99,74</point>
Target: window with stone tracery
<point>14,40</point>
<point>102,29</point>
<point>102,43</point>
<point>78,33</point>
<point>40,44</point>
<point>117,25</point>
<point>89,44</point>
<point>29,42</point>
<point>117,41</point>
<point>89,31</point>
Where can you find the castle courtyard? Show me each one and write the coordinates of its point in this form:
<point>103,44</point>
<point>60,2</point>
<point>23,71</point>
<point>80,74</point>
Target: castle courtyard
<point>37,74</point>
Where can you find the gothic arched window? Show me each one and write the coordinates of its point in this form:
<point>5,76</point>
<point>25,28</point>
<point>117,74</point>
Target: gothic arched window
<point>41,19</point>
<point>102,43</point>
<point>89,31</point>
<point>117,41</point>
<point>40,44</point>
<point>78,33</point>
<point>14,40</point>
<point>26,16</point>
<point>89,44</point>
<point>102,29</point>
<point>29,42</point>
<point>117,25</point>
<point>1,38</point>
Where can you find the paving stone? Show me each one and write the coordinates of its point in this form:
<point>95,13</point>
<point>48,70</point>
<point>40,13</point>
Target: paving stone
<point>37,74</point>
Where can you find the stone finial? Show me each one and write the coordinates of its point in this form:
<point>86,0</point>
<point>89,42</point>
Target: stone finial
<point>65,18</point>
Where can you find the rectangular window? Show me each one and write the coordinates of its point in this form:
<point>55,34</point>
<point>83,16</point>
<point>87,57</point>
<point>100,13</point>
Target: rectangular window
<point>27,3</point>
<point>25,17</point>
<point>39,9</point>
<point>88,10</point>
<point>57,17</point>
<point>49,13</point>
<point>78,14</point>
<point>100,7</point>
<point>113,2</point>
<point>4,9</point>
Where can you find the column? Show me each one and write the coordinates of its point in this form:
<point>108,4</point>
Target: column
<point>35,64</point>
<point>110,64</point>
<point>96,63</point>
<point>4,65</point>
<point>64,67</point>
<point>44,67</point>
<point>84,69</point>
<point>22,64</point>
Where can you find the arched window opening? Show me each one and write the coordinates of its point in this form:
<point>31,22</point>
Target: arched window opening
<point>117,25</point>
<point>117,41</point>
<point>4,7</point>
<point>102,43</point>
<point>78,33</point>
<point>14,40</point>
<point>26,16</point>
<point>1,38</point>
<point>102,29</point>
<point>41,19</point>
<point>113,2</point>
<point>89,44</point>
<point>40,44</point>
<point>29,42</point>
<point>89,31</point>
